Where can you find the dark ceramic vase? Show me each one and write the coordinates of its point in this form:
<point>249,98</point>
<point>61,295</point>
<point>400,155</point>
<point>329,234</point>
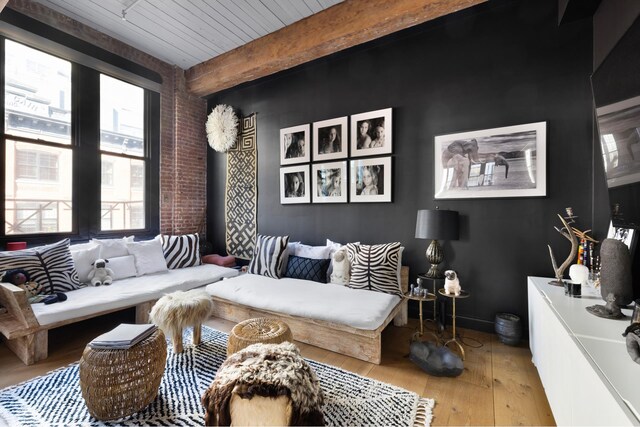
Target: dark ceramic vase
<point>508,328</point>
<point>615,272</point>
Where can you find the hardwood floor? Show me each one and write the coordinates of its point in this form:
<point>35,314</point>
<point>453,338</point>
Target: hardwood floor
<point>499,386</point>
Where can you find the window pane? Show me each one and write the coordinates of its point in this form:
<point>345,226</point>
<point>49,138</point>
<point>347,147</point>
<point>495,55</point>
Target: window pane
<point>122,200</point>
<point>37,188</point>
<point>37,94</point>
<point>121,117</point>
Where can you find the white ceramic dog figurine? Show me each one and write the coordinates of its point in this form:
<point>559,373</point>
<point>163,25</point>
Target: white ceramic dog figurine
<point>451,283</point>
<point>101,274</point>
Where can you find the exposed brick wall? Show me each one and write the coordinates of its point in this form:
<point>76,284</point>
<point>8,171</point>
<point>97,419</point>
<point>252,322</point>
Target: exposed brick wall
<point>183,145</point>
<point>191,159</point>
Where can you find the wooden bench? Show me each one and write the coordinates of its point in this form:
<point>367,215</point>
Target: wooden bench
<point>26,337</point>
<point>359,343</point>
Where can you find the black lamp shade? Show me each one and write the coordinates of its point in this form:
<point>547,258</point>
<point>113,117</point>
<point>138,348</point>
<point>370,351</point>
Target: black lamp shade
<point>437,224</point>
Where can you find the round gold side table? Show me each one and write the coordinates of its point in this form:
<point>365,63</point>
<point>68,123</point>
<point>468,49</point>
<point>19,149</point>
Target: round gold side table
<point>463,294</point>
<point>119,382</point>
<point>259,330</point>
<point>429,297</point>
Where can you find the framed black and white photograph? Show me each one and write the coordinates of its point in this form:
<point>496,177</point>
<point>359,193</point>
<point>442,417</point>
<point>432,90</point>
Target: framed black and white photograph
<point>371,133</point>
<point>370,180</point>
<point>294,185</point>
<point>330,182</point>
<point>330,138</point>
<point>295,145</point>
<point>492,163</point>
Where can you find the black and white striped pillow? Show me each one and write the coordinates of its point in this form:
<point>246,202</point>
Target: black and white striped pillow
<point>181,251</point>
<point>375,267</point>
<point>51,266</point>
<point>268,256</point>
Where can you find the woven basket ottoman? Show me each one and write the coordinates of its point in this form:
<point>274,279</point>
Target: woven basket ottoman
<point>262,330</point>
<point>118,383</point>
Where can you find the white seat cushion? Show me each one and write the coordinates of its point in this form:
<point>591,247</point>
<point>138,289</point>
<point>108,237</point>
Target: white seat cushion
<point>128,292</point>
<point>320,301</point>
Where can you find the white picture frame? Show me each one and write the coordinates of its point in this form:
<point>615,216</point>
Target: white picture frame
<point>368,176</point>
<point>330,139</point>
<point>366,139</point>
<point>290,192</point>
<point>329,182</point>
<point>295,145</point>
<point>508,161</point>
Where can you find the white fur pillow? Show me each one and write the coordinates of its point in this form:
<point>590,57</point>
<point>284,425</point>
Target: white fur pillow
<point>83,260</point>
<point>111,248</point>
<point>149,257</point>
<point>341,267</point>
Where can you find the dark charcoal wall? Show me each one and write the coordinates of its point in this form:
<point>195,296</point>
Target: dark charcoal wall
<point>499,64</point>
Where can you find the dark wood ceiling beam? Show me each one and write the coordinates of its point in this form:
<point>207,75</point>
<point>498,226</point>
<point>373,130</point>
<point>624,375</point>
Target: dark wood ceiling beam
<point>339,27</point>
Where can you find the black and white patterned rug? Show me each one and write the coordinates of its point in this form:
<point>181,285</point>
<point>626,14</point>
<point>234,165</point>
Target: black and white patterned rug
<point>350,399</point>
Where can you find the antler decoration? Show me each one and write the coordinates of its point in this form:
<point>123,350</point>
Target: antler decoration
<point>568,233</point>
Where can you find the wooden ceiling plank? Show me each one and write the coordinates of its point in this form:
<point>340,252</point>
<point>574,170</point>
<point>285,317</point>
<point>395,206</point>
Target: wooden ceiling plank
<point>334,29</point>
<point>259,10</point>
<point>234,17</point>
<point>220,25</point>
<point>195,29</point>
<point>239,8</point>
<point>115,27</point>
<point>181,34</point>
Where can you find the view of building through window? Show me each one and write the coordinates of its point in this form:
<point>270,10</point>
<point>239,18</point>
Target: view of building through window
<point>39,150</point>
<point>38,178</point>
<point>121,133</point>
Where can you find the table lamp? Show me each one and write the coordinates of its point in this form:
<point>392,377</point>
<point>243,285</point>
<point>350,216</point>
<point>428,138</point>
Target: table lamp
<point>436,225</point>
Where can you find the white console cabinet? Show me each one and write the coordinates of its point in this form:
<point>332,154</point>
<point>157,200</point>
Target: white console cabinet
<point>582,359</point>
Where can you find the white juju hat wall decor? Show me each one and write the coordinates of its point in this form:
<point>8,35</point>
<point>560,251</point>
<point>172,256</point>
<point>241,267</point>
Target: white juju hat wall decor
<point>222,128</point>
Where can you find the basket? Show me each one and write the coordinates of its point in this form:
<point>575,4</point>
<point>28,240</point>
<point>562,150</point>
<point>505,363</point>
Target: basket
<point>259,330</point>
<point>118,383</point>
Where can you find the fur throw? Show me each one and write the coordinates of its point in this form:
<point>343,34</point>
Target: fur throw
<point>341,267</point>
<point>268,370</point>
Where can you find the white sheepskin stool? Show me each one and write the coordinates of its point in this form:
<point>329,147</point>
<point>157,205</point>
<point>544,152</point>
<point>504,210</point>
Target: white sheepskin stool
<point>178,310</point>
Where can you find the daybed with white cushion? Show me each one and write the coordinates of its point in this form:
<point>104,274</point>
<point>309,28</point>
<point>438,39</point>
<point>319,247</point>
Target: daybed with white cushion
<point>334,317</point>
<point>25,326</point>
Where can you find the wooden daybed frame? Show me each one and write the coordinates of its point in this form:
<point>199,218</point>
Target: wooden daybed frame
<point>359,343</point>
<point>26,337</point>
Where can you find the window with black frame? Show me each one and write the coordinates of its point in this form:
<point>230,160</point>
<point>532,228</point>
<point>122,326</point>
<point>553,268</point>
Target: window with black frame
<point>54,141</point>
<point>38,146</point>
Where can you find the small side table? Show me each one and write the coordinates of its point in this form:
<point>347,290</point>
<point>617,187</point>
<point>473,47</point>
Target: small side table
<point>429,297</point>
<point>454,297</point>
<point>423,278</point>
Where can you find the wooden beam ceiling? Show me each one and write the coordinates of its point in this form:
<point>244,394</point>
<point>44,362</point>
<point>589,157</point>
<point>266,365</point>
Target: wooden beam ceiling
<point>342,26</point>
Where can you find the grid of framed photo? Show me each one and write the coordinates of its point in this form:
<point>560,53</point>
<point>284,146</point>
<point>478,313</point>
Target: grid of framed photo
<point>331,181</point>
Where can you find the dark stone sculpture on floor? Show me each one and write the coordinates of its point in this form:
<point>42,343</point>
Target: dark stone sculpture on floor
<point>434,360</point>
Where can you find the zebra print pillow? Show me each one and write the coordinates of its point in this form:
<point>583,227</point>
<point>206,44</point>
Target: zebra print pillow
<point>375,267</point>
<point>268,256</point>
<point>51,266</point>
<point>181,251</point>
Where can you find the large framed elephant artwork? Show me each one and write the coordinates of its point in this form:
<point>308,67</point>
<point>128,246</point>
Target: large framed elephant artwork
<point>501,162</point>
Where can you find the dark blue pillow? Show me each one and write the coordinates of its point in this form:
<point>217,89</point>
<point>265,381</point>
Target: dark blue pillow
<point>307,268</point>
